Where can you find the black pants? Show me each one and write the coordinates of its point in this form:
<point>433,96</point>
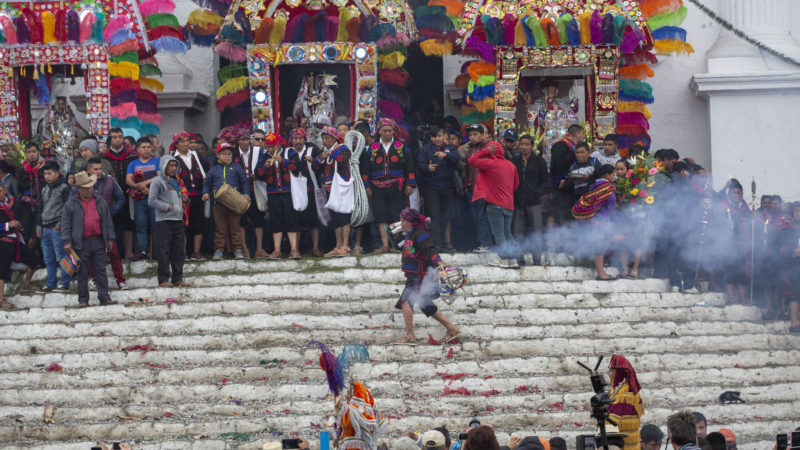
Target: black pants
<point>170,244</point>
<point>437,204</point>
<point>93,250</point>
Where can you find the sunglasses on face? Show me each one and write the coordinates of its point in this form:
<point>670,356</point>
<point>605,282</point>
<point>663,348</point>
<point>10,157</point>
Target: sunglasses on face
<point>258,139</point>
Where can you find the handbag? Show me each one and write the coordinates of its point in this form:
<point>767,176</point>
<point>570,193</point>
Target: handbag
<point>260,193</point>
<point>299,187</point>
<point>319,199</point>
<point>342,193</point>
<point>70,262</point>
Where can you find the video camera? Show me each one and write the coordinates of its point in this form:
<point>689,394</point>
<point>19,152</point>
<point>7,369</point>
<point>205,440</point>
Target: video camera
<point>599,402</point>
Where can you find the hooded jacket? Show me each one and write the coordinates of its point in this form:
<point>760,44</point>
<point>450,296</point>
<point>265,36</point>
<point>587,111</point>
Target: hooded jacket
<point>165,191</point>
<point>497,177</point>
<point>54,197</point>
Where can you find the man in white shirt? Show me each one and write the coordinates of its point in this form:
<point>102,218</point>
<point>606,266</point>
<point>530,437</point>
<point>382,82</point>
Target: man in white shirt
<point>251,148</point>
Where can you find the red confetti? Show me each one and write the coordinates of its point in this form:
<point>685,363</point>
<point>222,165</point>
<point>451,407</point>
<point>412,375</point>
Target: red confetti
<point>452,377</point>
<point>558,406</point>
<point>459,391</point>
<point>577,424</point>
<point>157,366</point>
<point>168,414</point>
<point>487,377</point>
<point>54,367</point>
<point>450,353</point>
<point>142,348</point>
<point>490,393</point>
<point>489,408</point>
<point>309,362</point>
<point>432,341</point>
<point>521,389</point>
<point>224,381</point>
<point>296,325</point>
<point>736,366</point>
<point>286,411</point>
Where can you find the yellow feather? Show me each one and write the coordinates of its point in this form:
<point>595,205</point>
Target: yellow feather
<point>344,16</point>
<point>393,60</point>
<point>519,34</point>
<point>233,85</point>
<point>278,30</point>
<point>584,19</point>
<point>204,17</point>
<point>49,26</point>
<point>634,107</point>
<point>151,84</point>
<point>436,47</point>
<point>673,46</point>
<point>124,69</point>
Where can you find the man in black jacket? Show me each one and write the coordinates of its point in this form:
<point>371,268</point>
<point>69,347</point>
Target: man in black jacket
<point>561,159</point>
<point>532,172</point>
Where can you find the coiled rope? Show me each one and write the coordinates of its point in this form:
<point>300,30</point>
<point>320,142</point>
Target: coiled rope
<point>361,205</point>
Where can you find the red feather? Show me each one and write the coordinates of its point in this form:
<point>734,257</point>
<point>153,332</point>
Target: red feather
<point>164,31</point>
<point>61,25</point>
<point>233,100</point>
<point>144,94</point>
<point>122,84</point>
<point>263,31</point>
<point>352,29</point>
<point>393,76</point>
<point>35,27</point>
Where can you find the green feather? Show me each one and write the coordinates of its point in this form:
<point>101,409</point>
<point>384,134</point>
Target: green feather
<point>149,70</point>
<point>158,20</point>
<point>670,19</point>
<point>562,28</point>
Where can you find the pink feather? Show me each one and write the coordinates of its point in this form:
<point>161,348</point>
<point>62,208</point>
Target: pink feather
<point>151,118</point>
<point>8,29</point>
<point>596,27</point>
<point>483,48</point>
<point>119,22</point>
<point>156,7</point>
<point>389,40</point>
<point>86,27</point>
<point>390,109</point>
<point>510,24</point>
<point>230,51</point>
<point>124,110</point>
<point>630,40</point>
<point>398,77</point>
<point>633,118</point>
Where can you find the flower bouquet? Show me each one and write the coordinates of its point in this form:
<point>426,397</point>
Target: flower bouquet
<point>640,186</point>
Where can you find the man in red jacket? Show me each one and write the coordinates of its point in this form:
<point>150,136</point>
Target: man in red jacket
<point>496,182</point>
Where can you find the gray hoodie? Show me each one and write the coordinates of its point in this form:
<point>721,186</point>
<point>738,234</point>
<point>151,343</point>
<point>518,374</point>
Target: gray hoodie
<point>163,193</point>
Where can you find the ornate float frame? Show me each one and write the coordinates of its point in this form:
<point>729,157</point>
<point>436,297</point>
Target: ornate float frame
<point>601,110</point>
<point>96,77</point>
<point>263,89</point>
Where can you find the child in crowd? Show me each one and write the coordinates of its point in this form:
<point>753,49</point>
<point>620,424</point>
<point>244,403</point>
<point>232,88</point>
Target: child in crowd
<point>226,221</point>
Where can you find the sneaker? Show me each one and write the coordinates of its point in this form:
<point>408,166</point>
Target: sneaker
<point>499,263</point>
<point>45,290</point>
<point>512,264</point>
<point>693,290</point>
<point>61,289</point>
<point>481,249</point>
<point>122,286</point>
<point>138,257</point>
<point>676,289</point>
<point>218,255</point>
<point>197,257</point>
<point>703,304</point>
<point>795,329</point>
<point>238,254</point>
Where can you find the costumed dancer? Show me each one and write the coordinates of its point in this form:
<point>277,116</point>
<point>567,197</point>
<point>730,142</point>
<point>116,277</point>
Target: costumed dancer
<point>61,128</point>
<point>192,173</point>
<point>628,406</point>
<point>334,162</point>
<point>359,422</point>
<point>275,168</point>
<point>306,153</point>
<point>388,177</point>
<point>419,258</point>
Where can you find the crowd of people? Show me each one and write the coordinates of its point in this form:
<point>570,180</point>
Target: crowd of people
<point>135,199</point>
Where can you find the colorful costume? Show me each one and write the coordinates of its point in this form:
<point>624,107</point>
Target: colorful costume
<point>419,256</point>
<point>359,422</point>
<point>553,116</point>
<point>628,406</point>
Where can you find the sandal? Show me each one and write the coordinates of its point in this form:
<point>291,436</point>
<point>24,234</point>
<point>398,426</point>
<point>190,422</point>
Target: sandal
<point>274,255</point>
<point>406,340</point>
<point>358,250</point>
<point>294,255</point>
<point>7,306</point>
<point>606,279</point>
<point>450,337</point>
<point>383,250</point>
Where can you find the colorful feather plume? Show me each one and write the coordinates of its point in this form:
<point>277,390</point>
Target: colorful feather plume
<point>23,33</point>
<point>353,25</point>
<point>485,49</point>
<point>351,354</point>
<point>261,36</point>
<point>118,85</point>
<point>86,28</point>
<point>119,22</point>
<point>203,40</point>
<point>551,32</point>
<point>637,107</point>
<point>620,25</point>
<point>672,46</point>
<point>244,24</point>
<point>669,19</point>
<point>233,100</point>
<point>124,111</point>
<point>391,109</point>
<point>510,26</point>
<point>203,18</point>
<point>123,70</point>
<point>151,118</point>
<point>151,84</point>
<point>48,27</point>
<point>149,70</point>
<point>596,27</point>
<point>127,56</point>
<point>639,57</point>
<point>231,71</point>
<point>332,28</point>
<point>530,39</point>
<point>8,29</point>
<point>151,7</point>
<point>367,24</point>
<point>120,36</point>
<point>71,30</point>
<point>278,30</point>
<point>162,20</point>
<point>452,8</point>
<point>169,44</point>
<point>398,77</point>
<point>233,85</point>
<point>584,22</point>
<point>320,24</point>
<point>520,37</point>
<point>42,90</point>
<point>538,32</point>
<point>330,365</point>
<point>637,71</point>
<point>126,96</point>
<point>380,31</point>
<point>126,46</point>
<point>232,52</point>
<point>436,47</point>
<point>396,94</point>
<point>495,33</point>
<point>34,22</point>
<point>98,27</point>
<point>293,31</point>
<point>608,29</point>
<point>631,40</point>
<point>652,8</point>
<point>672,33</point>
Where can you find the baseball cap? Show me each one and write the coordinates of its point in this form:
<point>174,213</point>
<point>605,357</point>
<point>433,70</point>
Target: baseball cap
<point>476,127</point>
<point>432,439</point>
<point>510,135</point>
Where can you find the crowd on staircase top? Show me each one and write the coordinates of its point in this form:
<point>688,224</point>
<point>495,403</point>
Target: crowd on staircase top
<point>336,191</point>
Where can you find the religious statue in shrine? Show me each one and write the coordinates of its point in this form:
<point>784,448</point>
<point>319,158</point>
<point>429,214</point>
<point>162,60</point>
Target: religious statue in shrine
<point>315,101</point>
<point>551,114</point>
<point>61,129</point>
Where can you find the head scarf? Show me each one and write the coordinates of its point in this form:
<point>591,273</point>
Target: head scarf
<point>274,139</point>
<point>332,132</point>
<point>299,132</point>
<point>176,137</point>
<point>387,122</point>
<point>623,370</point>
<point>418,221</point>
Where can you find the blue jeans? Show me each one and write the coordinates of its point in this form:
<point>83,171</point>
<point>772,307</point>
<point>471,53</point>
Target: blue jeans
<point>144,216</point>
<point>500,221</point>
<point>478,210</point>
<point>53,251</point>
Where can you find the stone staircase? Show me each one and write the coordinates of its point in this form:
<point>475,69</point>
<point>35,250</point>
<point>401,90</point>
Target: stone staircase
<point>223,366</point>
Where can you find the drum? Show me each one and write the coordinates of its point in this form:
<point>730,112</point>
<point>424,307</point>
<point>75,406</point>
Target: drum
<point>232,199</point>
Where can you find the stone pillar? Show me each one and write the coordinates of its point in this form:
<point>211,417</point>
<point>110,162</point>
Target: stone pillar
<point>179,102</point>
<point>753,98</point>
